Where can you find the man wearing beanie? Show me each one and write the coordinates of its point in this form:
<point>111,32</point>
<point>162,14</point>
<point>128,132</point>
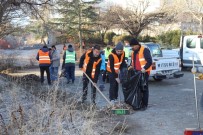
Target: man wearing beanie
<point>116,62</point>
<point>141,60</point>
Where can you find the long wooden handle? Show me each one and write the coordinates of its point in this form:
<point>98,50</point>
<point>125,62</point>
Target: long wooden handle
<point>97,88</point>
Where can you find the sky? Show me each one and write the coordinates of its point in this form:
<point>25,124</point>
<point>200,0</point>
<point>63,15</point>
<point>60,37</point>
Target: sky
<point>153,3</point>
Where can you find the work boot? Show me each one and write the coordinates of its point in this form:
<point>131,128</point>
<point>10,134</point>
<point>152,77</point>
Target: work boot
<point>68,82</point>
<point>144,107</point>
<point>93,103</point>
<point>84,98</point>
<point>112,103</point>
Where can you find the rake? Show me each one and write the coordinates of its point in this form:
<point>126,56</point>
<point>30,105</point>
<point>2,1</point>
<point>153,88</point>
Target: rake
<point>117,110</point>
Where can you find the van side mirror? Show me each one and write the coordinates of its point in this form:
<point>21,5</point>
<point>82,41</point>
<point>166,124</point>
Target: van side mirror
<point>199,36</point>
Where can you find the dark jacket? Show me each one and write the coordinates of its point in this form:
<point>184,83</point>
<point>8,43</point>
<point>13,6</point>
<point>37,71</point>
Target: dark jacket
<point>90,65</point>
<point>44,49</point>
<point>111,59</point>
<point>64,57</point>
<point>147,56</point>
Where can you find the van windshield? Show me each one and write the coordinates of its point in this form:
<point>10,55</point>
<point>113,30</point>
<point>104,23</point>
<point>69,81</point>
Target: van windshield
<point>154,49</point>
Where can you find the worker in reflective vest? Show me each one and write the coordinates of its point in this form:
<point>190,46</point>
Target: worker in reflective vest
<point>107,52</point>
<point>70,57</point>
<point>142,61</point>
<point>90,63</point>
<point>44,58</point>
<point>116,62</point>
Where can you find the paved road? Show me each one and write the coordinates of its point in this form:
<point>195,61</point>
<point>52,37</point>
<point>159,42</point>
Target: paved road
<point>172,108</point>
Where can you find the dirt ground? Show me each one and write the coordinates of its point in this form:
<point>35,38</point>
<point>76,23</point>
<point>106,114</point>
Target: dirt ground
<point>171,106</point>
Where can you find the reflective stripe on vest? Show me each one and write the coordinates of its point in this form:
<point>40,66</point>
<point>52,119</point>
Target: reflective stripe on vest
<point>141,58</point>
<point>70,57</point>
<point>117,63</point>
<point>44,57</point>
<point>86,61</point>
<point>107,53</point>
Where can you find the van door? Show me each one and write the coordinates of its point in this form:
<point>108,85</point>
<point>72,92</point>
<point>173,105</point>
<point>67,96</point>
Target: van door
<point>190,49</point>
<point>200,50</point>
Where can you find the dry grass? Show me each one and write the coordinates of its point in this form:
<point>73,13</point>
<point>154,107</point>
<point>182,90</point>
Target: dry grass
<point>36,109</point>
<point>29,108</point>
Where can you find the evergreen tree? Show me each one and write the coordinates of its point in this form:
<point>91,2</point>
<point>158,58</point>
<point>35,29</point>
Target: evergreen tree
<point>78,16</point>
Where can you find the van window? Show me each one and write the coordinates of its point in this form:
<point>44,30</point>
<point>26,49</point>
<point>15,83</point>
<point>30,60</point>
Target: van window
<point>154,49</point>
<point>201,43</point>
<point>191,43</point>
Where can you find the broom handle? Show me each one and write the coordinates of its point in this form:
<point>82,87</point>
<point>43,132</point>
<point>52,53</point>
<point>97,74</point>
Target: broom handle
<point>97,88</point>
<point>195,88</point>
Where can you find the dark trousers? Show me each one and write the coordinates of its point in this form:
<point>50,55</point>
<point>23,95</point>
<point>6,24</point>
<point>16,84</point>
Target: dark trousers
<point>85,89</point>
<point>113,90</point>
<point>105,76</point>
<point>42,69</point>
<point>145,91</point>
<point>70,72</point>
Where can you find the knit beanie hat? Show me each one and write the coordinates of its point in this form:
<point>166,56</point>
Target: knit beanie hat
<point>134,42</point>
<point>119,46</point>
<point>70,46</point>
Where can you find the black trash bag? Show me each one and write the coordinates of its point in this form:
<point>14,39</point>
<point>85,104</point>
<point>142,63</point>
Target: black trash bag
<point>132,89</point>
<point>143,82</point>
<point>123,75</point>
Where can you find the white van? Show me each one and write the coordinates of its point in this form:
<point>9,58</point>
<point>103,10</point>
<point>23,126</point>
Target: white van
<point>191,47</point>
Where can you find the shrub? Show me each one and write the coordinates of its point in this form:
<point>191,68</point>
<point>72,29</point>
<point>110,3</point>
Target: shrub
<point>108,37</point>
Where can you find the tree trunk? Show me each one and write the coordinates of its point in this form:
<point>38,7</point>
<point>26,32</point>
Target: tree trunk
<point>80,31</point>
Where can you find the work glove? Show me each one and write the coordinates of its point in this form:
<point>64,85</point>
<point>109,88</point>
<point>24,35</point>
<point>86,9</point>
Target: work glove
<point>130,67</point>
<point>94,84</point>
<point>143,70</point>
<point>118,80</point>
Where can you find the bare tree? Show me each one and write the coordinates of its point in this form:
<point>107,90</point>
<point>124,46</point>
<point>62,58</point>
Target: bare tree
<point>136,19</point>
<point>105,22</point>
<point>16,9</point>
<point>195,7</point>
<point>190,11</point>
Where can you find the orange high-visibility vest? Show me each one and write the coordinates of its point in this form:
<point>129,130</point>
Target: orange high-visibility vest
<point>117,63</point>
<point>44,57</point>
<point>141,58</point>
<point>86,61</point>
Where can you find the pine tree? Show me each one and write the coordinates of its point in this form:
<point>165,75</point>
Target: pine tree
<point>78,16</point>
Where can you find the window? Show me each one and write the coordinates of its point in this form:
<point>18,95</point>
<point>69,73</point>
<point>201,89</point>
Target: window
<point>155,50</point>
<point>201,43</point>
<point>191,43</point>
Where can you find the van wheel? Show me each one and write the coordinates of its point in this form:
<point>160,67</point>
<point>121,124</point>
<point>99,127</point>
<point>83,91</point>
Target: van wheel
<point>157,79</point>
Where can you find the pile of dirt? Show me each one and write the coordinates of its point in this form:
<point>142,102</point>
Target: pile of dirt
<point>30,78</point>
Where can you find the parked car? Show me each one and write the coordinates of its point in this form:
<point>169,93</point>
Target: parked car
<point>164,66</point>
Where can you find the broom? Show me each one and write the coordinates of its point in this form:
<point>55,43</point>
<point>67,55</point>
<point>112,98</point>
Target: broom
<point>118,111</point>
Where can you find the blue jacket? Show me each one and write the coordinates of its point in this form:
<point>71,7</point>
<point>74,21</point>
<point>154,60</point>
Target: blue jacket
<point>44,49</point>
<point>103,65</point>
